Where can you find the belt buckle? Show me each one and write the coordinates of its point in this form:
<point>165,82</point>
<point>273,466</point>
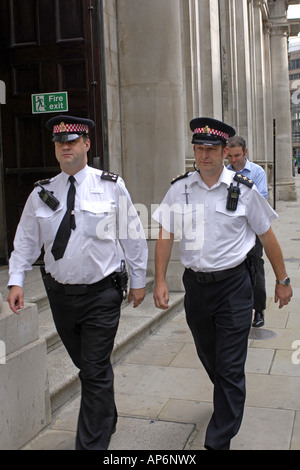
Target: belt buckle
<point>79,289</point>
<point>209,278</point>
<point>200,278</point>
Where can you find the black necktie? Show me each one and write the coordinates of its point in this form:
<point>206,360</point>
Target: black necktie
<point>67,224</point>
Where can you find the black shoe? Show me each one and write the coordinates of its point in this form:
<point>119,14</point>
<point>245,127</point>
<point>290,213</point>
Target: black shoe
<point>259,320</point>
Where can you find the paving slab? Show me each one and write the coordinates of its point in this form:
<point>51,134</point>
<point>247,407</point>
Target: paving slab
<point>265,429</point>
<point>145,434</point>
<point>132,433</point>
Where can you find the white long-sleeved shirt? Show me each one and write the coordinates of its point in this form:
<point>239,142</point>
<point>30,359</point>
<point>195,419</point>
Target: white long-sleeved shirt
<point>107,226</point>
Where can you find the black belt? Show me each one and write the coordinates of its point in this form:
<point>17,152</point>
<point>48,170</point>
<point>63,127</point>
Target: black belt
<point>79,289</point>
<point>215,276</point>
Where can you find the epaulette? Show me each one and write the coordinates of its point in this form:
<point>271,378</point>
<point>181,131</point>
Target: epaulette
<point>243,179</point>
<point>37,183</point>
<point>107,175</point>
<point>180,177</point>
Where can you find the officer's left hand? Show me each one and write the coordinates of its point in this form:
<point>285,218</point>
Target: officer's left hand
<point>137,295</point>
<point>283,294</point>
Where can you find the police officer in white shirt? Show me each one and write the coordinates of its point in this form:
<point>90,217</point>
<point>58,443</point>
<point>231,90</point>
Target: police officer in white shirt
<point>84,218</point>
<point>216,215</point>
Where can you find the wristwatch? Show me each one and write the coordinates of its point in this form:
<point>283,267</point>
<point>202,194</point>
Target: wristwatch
<point>285,281</point>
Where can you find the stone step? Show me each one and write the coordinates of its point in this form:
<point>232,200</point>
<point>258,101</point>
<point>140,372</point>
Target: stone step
<point>135,324</point>
<point>34,290</point>
<point>46,324</point>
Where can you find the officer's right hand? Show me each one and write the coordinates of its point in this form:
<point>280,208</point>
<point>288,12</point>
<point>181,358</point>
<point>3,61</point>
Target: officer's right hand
<point>15,298</point>
<point>161,295</point>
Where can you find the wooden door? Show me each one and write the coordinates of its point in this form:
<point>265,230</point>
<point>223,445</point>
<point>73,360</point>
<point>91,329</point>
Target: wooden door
<point>46,46</point>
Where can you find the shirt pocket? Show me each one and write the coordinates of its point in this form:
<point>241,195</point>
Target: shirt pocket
<point>189,224</point>
<point>49,221</point>
<point>99,219</point>
<point>230,221</point>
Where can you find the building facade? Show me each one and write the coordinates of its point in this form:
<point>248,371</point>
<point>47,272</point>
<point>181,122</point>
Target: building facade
<point>294,75</point>
<point>142,69</point>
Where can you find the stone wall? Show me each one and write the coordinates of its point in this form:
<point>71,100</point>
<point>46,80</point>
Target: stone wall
<point>24,391</point>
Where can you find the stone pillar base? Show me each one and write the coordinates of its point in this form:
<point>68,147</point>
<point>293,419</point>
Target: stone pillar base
<point>24,397</point>
<point>286,191</point>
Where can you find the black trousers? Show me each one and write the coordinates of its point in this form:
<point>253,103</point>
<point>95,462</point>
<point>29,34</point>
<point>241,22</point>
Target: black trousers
<point>87,325</point>
<point>219,316</point>
<point>259,288</point>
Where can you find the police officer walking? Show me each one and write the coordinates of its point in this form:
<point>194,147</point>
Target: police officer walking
<point>217,215</point>
<point>84,218</point>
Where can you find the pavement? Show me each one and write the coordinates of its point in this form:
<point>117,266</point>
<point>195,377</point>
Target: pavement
<point>164,397</point>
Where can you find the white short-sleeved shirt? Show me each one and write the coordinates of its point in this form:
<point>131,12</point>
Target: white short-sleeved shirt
<point>106,222</point>
<point>212,238</point>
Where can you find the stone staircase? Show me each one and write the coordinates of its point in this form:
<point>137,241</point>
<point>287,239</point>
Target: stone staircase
<point>135,324</point>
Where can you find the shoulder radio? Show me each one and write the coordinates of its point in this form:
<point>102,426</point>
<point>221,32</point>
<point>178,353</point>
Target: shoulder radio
<point>234,191</point>
<point>47,196</point>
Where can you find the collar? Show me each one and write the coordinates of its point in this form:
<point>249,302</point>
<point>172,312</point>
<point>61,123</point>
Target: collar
<point>79,176</point>
<point>247,166</point>
<point>225,178</point>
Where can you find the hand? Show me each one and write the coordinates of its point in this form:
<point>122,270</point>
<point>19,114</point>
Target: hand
<point>161,295</point>
<point>15,299</point>
<point>283,294</point>
<point>137,295</point>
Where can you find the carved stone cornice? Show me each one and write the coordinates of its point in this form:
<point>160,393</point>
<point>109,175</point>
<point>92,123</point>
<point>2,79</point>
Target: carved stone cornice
<point>294,26</point>
<point>280,30</point>
<point>267,25</point>
<point>279,26</point>
<point>263,5</point>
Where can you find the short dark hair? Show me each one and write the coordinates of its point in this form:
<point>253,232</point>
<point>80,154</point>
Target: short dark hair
<point>237,141</point>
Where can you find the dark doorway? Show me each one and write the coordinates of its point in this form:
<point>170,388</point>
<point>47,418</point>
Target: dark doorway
<point>45,47</point>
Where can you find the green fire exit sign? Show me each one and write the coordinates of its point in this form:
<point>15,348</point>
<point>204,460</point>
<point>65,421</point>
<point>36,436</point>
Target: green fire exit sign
<point>49,102</point>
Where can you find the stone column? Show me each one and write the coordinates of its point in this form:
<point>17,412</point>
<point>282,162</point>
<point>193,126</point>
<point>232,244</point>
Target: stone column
<point>268,94</point>
<point>152,111</point>
<point>236,67</point>
<point>258,152</point>
<point>208,43</point>
<point>261,148</point>
<point>229,61</point>
<point>244,95</point>
<point>281,100</point>
<point>201,63</point>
